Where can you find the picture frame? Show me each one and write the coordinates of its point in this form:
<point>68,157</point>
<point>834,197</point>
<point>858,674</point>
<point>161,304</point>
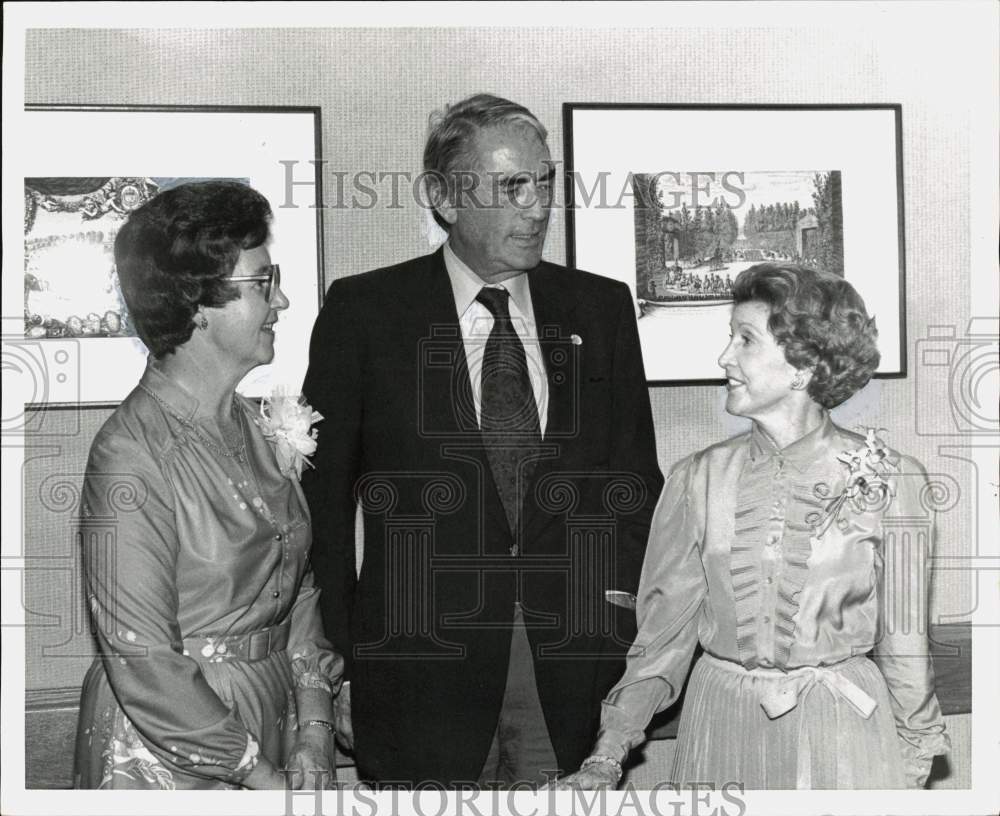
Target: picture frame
<point>86,167</point>
<point>671,199</point>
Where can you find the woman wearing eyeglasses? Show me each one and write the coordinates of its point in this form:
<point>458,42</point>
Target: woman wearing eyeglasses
<point>213,669</point>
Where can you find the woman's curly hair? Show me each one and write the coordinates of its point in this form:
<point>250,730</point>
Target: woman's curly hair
<point>821,323</point>
<point>174,253</point>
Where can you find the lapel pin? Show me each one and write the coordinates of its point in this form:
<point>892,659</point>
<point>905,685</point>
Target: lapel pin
<point>576,340</point>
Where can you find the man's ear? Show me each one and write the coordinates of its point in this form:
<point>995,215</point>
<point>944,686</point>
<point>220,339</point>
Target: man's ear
<point>447,210</point>
<point>440,200</point>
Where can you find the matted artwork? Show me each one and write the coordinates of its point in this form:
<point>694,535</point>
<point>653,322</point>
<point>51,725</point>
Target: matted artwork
<point>74,316</point>
<point>676,201</point>
<point>70,283</point>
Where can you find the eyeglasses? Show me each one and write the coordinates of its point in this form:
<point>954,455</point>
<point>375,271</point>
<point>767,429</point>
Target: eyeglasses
<point>271,274</point>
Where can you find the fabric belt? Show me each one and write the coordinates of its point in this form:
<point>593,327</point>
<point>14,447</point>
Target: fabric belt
<point>790,687</point>
<point>249,647</point>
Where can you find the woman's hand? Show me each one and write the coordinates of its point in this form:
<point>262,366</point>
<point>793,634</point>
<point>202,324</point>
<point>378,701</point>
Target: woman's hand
<point>312,760</point>
<point>264,776</point>
<point>595,776</point>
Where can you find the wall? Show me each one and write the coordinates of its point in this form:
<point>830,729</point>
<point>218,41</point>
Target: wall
<point>376,88</point>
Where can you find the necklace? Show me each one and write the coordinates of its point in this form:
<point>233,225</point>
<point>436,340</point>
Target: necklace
<point>237,452</point>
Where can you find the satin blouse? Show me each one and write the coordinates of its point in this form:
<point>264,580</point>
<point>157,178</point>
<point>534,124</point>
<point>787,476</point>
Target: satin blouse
<point>775,558</point>
<point>185,539</point>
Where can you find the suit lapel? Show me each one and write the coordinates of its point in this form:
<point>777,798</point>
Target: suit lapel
<point>447,388</point>
<point>555,322</point>
<point>444,372</point>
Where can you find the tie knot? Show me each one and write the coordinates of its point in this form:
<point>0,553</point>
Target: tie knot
<point>495,299</point>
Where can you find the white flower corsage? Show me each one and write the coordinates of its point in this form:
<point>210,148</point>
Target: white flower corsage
<point>867,485</point>
<point>287,421</point>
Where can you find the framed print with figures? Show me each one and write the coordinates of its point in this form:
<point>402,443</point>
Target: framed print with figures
<point>76,328</point>
<point>677,200</point>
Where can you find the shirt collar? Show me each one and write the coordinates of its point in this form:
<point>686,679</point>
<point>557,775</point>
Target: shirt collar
<point>465,284</point>
<point>801,453</point>
<point>181,402</point>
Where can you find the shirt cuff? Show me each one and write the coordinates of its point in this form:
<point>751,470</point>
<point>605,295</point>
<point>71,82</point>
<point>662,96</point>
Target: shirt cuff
<point>918,757</point>
<point>313,680</point>
<point>249,759</point>
<point>613,744</point>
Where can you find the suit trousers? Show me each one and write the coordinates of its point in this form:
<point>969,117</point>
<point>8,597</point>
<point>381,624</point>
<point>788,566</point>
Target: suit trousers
<point>521,751</point>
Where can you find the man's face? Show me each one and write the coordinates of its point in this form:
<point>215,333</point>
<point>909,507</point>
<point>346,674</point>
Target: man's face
<point>498,228</point>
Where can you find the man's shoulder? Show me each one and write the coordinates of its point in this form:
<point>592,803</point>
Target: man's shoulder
<point>579,276</point>
<point>587,283</point>
<point>416,273</point>
<point>398,277</point>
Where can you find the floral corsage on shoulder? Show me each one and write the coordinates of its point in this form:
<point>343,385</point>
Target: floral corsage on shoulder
<point>866,488</point>
<point>287,422</point>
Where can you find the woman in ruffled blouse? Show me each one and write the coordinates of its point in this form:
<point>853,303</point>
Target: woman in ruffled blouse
<point>797,556</point>
<point>213,669</point>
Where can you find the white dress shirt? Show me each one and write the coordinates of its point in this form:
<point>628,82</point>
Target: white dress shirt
<point>476,323</point>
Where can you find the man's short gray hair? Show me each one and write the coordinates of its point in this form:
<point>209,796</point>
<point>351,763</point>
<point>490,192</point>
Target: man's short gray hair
<point>452,130</point>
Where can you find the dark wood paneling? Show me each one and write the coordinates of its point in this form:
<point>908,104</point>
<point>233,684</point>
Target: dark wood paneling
<point>50,735</point>
<point>50,715</point>
<point>952,648</point>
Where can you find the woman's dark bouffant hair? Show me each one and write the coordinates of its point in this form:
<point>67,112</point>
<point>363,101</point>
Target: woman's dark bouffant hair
<point>175,252</point>
<point>821,323</point>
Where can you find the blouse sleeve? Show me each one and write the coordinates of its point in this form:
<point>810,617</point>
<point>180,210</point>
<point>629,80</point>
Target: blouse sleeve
<point>902,652</point>
<point>130,547</point>
<point>314,663</point>
<point>672,588</point>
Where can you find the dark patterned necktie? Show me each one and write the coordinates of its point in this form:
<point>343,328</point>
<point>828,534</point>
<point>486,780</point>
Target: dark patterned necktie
<point>508,413</point>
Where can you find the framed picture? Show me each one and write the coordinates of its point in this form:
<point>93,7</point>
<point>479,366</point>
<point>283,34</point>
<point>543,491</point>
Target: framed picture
<point>77,331</point>
<point>677,200</point>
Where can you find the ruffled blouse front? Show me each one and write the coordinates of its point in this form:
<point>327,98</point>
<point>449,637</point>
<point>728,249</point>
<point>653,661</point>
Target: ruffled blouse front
<point>763,557</point>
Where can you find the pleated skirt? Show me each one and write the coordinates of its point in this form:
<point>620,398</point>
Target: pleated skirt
<point>823,742</point>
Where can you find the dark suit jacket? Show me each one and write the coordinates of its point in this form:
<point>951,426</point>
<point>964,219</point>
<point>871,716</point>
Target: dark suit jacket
<point>425,629</point>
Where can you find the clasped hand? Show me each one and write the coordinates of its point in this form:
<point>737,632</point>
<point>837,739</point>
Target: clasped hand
<point>591,777</point>
<point>312,761</point>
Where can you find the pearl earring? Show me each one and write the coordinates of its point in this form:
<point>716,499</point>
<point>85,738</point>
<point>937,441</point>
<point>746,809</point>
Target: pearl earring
<point>202,322</point>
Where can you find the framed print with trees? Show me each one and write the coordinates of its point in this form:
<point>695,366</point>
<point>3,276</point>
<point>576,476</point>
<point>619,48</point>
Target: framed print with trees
<point>677,200</point>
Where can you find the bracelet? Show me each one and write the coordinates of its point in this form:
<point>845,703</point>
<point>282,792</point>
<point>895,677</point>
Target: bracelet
<point>321,723</point>
<point>600,759</point>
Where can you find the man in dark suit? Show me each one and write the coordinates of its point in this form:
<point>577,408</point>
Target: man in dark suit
<point>489,412</point>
